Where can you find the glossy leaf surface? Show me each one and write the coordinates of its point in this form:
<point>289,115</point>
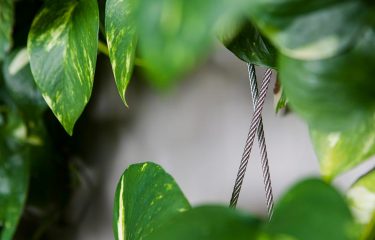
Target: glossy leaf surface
<point>62,45</point>
<point>334,94</point>
<point>122,40</point>
<point>6,26</point>
<point>146,197</point>
<point>313,210</point>
<point>209,222</point>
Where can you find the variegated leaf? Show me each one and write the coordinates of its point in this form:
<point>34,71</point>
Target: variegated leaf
<point>340,151</point>
<point>122,40</point>
<point>146,196</point>
<point>6,25</point>
<point>62,45</point>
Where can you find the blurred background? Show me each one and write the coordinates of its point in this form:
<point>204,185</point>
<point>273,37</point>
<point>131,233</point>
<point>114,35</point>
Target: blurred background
<point>196,131</point>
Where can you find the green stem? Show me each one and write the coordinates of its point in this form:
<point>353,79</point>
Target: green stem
<point>102,29</point>
<point>102,47</point>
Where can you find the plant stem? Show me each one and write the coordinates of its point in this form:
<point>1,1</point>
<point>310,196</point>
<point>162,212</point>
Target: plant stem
<point>102,47</point>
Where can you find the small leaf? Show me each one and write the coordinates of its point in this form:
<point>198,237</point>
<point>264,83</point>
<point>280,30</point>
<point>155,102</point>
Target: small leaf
<point>313,210</point>
<point>146,197</point>
<point>62,45</point>
<point>361,196</point>
<point>209,222</point>
<point>20,82</point>
<point>6,26</point>
<point>280,100</point>
<point>334,94</point>
<point>340,151</point>
<point>249,46</point>
<point>311,29</point>
<point>122,40</point>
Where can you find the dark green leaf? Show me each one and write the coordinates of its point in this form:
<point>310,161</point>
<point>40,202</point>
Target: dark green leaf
<point>62,45</point>
<point>340,151</point>
<point>208,222</point>
<point>311,29</point>
<point>20,82</point>
<point>249,46</point>
<point>122,40</point>
<point>313,210</point>
<point>333,94</point>
<point>146,196</point>
<point>6,26</point>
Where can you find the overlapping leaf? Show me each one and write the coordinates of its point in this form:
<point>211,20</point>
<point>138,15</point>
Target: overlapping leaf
<point>122,40</point>
<point>146,197</point>
<point>62,45</point>
<point>6,26</point>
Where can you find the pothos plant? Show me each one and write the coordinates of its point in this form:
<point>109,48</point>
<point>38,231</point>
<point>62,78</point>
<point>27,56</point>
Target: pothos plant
<point>323,51</point>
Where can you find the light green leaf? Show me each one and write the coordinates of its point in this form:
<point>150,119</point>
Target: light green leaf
<point>122,40</point>
<point>361,196</point>
<point>6,26</point>
<point>209,222</point>
<point>340,151</point>
<point>311,29</point>
<point>62,45</point>
<point>334,94</point>
<point>146,197</point>
<point>313,210</point>
<point>249,46</point>
<point>20,82</point>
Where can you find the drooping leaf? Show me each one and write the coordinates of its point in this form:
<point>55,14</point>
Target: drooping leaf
<point>146,197</point>
<point>338,152</point>
<point>208,222</point>
<point>311,29</point>
<point>20,82</point>
<point>6,26</point>
<point>361,196</point>
<point>334,94</point>
<point>249,46</point>
<point>62,45</point>
<point>175,35</point>
<point>122,40</point>
<point>312,210</point>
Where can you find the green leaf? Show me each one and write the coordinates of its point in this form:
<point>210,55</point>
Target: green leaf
<point>20,82</point>
<point>175,35</point>
<point>361,196</point>
<point>122,40</point>
<point>146,196</point>
<point>334,94</point>
<point>340,151</point>
<point>6,26</point>
<point>280,100</point>
<point>62,45</point>
<point>249,46</point>
<point>313,210</point>
<point>311,29</point>
<point>209,222</point>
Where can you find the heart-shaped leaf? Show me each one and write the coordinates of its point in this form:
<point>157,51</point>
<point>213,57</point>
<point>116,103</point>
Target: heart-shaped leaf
<point>146,197</point>
<point>122,40</point>
<point>333,94</point>
<point>62,45</point>
<point>312,210</point>
<point>209,222</point>
<point>311,29</point>
<point>6,26</point>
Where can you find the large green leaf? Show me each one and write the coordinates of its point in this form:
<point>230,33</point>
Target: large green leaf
<point>122,40</point>
<point>62,45</point>
<point>208,222</point>
<point>20,82</point>
<point>146,197</point>
<point>313,210</point>
<point>333,94</point>
<point>361,196</point>
<point>311,29</point>
<point>249,46</point>
<point>6,26</point>
<point>175,35</point>
<point>340,151</point>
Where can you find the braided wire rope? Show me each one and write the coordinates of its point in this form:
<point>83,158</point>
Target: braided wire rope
<point>255,126</point>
